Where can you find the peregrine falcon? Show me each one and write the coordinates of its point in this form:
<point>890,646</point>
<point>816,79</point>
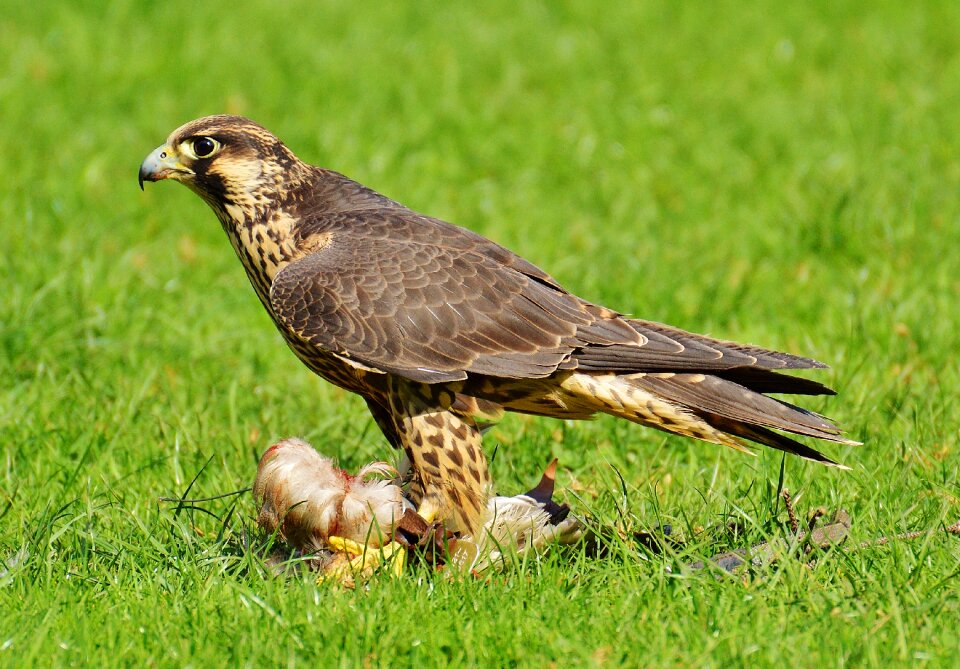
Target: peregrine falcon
<point>441,330</point>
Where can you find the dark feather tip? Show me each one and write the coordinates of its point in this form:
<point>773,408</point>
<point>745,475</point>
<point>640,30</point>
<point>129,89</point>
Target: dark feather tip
<point>543,492</point>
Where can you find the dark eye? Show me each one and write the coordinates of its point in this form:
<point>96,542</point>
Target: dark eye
<point>204,147</point>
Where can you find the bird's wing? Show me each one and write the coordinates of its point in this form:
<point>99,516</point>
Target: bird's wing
<point>433,302</point>
<point>432,312</point>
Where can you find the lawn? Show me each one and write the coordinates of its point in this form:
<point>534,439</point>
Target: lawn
<point>783,174</point>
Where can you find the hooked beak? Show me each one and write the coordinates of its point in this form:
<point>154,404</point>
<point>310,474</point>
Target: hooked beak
<point>162,163</point>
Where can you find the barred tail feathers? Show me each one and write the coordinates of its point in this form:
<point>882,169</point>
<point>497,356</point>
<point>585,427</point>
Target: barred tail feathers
<point>706,407</point>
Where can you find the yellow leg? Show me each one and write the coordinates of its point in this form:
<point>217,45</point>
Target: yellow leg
<point>348,546</point>
<point>429,511</point>
<point>365,559</point>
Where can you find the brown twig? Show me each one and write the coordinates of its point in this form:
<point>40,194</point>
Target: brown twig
<point>823,538</point>
<point>794,525</point>
<point>906,536</point>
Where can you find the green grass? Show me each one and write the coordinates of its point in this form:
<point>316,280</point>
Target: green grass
<point>787,175</point>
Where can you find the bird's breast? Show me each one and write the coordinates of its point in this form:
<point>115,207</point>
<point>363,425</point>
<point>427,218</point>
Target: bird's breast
<point>264,246</point>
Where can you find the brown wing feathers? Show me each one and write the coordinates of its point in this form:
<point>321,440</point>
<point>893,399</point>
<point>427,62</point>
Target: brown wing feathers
<point>766,381</point>
<point>762,435</point>
<point>437,303</point>
<point>445,312</point>
<point>669,349</point>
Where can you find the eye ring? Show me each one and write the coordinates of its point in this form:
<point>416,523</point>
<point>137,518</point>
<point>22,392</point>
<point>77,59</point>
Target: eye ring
<point>204,147</point>
<point>201,147</point>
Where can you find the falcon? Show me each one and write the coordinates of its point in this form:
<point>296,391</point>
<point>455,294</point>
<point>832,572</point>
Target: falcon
<point>441,330</point>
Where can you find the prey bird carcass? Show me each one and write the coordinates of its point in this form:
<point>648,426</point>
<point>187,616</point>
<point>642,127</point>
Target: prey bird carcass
<point>341,522</point>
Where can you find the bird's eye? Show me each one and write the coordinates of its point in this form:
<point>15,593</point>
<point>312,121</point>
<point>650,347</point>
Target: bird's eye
<point>204,147</point>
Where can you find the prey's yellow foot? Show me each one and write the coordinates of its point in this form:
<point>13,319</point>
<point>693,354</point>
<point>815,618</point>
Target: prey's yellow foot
<point>344,545</point>
<point>364,560</point>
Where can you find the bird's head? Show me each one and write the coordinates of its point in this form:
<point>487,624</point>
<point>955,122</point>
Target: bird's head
<point>231,162</point>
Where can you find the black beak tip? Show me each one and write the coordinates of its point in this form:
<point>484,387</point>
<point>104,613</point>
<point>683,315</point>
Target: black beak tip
<point>140,179</point>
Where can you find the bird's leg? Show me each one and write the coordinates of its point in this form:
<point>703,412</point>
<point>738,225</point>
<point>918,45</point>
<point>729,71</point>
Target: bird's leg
<point>451,482</point>
<point>365,559</point>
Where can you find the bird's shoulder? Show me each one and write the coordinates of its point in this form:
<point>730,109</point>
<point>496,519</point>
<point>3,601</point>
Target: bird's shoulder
<point>334,208</point>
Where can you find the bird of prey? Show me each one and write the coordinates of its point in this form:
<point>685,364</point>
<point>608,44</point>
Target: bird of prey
<point>441,330</point>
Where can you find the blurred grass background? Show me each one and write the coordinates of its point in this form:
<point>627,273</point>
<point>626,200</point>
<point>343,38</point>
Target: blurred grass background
<point>786,175</point>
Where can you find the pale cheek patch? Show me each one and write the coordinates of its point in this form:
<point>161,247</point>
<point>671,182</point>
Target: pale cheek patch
<point>241,177</point>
